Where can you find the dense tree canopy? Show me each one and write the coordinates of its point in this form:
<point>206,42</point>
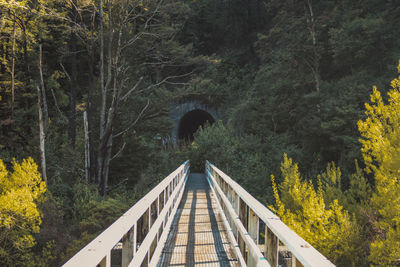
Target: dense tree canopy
<point>86,87</point>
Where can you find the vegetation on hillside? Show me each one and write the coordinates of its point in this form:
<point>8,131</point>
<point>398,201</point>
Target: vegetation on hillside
<point>87,86</point>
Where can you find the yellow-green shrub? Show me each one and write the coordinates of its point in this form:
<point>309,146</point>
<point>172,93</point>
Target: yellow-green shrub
<point>324,224</point>
<point>20,192</point>
<point>381,153</point>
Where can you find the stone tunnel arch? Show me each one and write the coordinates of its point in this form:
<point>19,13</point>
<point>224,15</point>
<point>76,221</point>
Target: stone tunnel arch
<point>193,110</point>
<point>191,122</point>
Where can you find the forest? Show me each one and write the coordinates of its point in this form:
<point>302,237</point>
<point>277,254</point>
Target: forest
<point>309,94</point>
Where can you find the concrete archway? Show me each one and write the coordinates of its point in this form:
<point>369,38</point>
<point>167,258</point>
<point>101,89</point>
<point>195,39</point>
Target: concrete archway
<point>189,116</point>
<point>191,122</point>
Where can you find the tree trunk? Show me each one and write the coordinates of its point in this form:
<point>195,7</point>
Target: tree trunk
<point>45,109</point>
<point>87,147</point>
<point>104,155</point>
<point>106,166</point>
<point>89,108</point>
<point>42,138</point>
<point>25,51</point>
<point>74,83</point>
<point>106,124</point>
<point>13,69</point>
<point>102,79</point>
<point>72,95</point>
<point>100,154</point>
<point>316,56</point>
<point>92,170</point>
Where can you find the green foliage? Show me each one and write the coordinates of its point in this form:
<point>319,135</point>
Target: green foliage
<point>20,218</point>
<point>381,146</point>
<point>224,24</point>
<point>215,143</point>
<point>357,196</point>
<point>93,214</point>
<point>283,98</point>
<point>230,152</point>
<point>257,61</point>
<point>315,215</point>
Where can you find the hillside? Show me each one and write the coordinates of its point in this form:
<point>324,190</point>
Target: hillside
<point>87,88</point>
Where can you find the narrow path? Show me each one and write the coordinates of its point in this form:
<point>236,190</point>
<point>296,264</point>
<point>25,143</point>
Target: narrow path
<point>197,236</point>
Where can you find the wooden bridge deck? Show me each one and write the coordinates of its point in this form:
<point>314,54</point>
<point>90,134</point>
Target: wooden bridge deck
<point>197,236</point>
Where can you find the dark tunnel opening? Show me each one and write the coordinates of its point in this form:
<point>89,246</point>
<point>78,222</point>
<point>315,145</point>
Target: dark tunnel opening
<point>191,122</point>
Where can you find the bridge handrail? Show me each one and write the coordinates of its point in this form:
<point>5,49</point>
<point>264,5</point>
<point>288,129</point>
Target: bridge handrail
<point>224,205</point>
<point>161,201</point>
<point>246,207</point>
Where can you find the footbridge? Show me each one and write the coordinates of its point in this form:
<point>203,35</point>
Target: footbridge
<point>198,220</point>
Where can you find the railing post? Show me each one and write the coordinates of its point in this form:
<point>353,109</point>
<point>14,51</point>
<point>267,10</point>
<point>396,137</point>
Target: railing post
<point>243,218</point>
<point>271,247</point>
<point>164,193</point>
<point>229,195</point>
<point>296,262</point>
<point>158,205</point>
<point>253,232</point>
<point>253,225</point>
<point>127,248</point>
<point>236,201</point>
<point>143,228</point>
<point>134,242</point>
<point>106,261</point>
<point>149,225</point>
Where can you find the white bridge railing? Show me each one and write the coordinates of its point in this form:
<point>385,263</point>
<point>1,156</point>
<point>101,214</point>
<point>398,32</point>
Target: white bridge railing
<point>257,234</point>
<point>139,234</point>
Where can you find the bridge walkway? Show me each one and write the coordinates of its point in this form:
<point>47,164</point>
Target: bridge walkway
<point>197,235</point>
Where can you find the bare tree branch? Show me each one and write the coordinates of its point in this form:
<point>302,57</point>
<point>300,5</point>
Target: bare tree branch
<point>65,71</point>
<point>135,121</point>
<point>57,107</point>
<point>165,80</point>
<point>119,152</point>
<point>132,89</point>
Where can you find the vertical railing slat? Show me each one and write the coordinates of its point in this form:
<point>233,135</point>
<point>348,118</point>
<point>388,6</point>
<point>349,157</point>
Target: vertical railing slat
<point>127,248</point>
<point>134,239</point>
<point>106,261</point>
<point>243,219</point>
<point>253,232</point>
<point>271,247</point>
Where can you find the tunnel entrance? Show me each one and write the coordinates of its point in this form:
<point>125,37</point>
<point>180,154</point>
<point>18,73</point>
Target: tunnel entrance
<point>191,122</point>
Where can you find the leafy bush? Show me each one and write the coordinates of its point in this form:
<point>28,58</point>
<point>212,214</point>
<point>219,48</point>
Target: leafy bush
<point>381,153</point>
<point>246,158</point>
<point>315,215</point>
<point>20,218</point>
